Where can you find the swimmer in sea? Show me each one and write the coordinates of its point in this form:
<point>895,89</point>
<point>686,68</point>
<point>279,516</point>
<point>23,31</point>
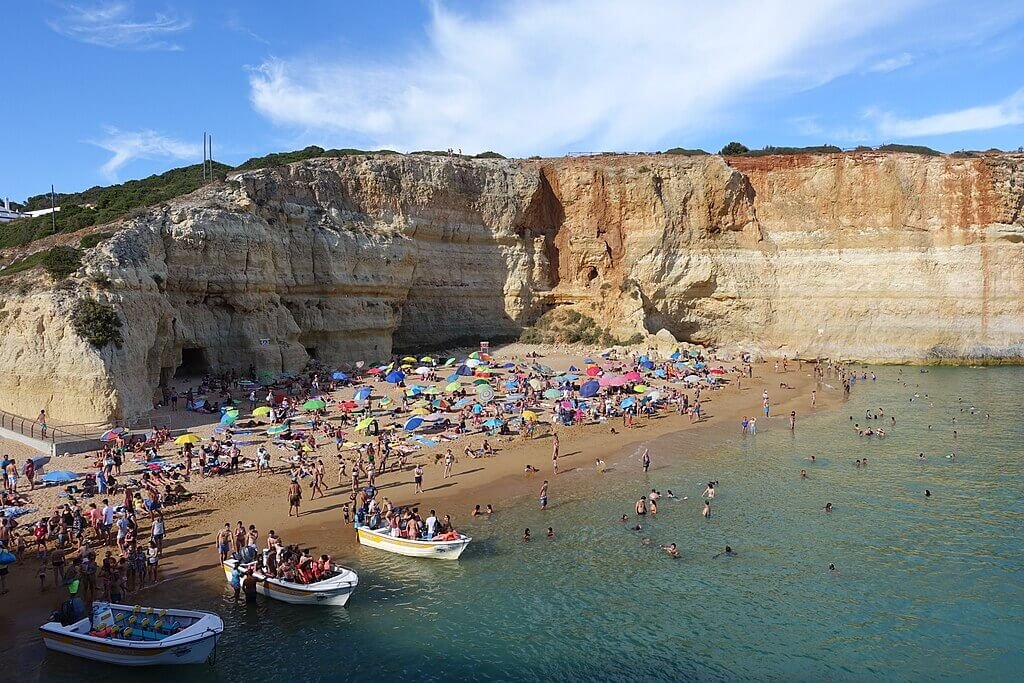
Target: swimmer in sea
<point>927,493</point>
<point>920,457</point>
<point>551,532</point>
<point>624,518</point>
<point>803,474</point>
<point>637,528</point>
<point>828,507</point>
<point>526,535</point>
<point>671,550</point>
<point>952,456</point>
<point>707,509</point>
<point>857,464</point>
<point>669,494</point>
<point>728,552</point>
<point>641,507</point>
<point>832,569</point>
<point>709,492</point>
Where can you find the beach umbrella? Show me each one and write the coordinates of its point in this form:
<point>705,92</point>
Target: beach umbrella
<point>535,383</point>
<point>529,416</point>
<point>509,366</point>
<point>481,382</point>
<point>566,378</point>
<point>485,393</point>
<point>590,388</point>
<point>274,430</point>
<point>691,379</point>
<point>364,423</point>
<point>493,423</point>
<point>314,404</point>
<point>718,371</point>
<point>373,371</point>
<point>187,438</point>
<point>464,371</point>
<point>421,410</point>
<point>414,391</point>
<point>462,403</point>
<point>349,405</point>
<point>261,411</point>
<point>394,377</point>
<point>472,362</point>
<point>339,376</point>
<point>640,388</point>
<point>452,387</point>
<point>408,359</point>
<point>450,362</point>
<point>385,401</point>
<point>647,365</point>
<point>434,417</point>
<point>511,384</point>
<point>475,355</point>
<point>229,418</point>
<point>593,371</point>
<point>675,356</point>
<point>420,404</point>
<point>632,376</point>
<point>552,394</point>
<point>59,477</point>
<point>112,434</point>
<point>422,370</point>
<point>412,423</point>
<point>362,394</point>
<point>660,372</point>
<point>426,359</point>
<point>679,366</point>
<point>431,391</point>
<point>627,402</point>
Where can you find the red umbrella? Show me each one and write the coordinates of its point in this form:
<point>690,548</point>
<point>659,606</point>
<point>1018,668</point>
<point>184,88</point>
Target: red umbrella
<point>593,371</point>
<point>373,371</point>
<point>633,376</point>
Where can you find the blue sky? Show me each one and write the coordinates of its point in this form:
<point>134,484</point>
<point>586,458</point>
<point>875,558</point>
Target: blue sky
<point>108,90</point>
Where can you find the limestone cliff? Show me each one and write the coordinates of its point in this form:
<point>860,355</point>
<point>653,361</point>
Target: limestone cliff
<point>888,257</point>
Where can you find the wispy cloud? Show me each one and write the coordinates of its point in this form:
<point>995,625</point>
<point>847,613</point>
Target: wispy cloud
<point>892,63</point>
<point>234,23</point>
<point>126,145</point>
<point>115,25</point>
<point>533,77</point>
<point>1006,112</point>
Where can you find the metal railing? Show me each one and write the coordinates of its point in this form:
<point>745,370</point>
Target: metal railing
<point>53,434</point>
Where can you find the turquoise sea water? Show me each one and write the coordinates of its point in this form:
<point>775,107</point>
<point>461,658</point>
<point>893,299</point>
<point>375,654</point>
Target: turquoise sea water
<point>927,588</point>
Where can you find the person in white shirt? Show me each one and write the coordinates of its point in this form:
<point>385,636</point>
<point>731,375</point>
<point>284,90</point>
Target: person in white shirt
<point>431,523</point>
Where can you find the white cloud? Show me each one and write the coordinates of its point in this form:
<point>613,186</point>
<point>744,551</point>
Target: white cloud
<point>1006,112</point>
<point>892,63</point>
<point>127,145</point>
<point>112,24</point>
<point>541,77</point>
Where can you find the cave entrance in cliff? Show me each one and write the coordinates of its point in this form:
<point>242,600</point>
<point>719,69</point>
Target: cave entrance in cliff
<point>194,363</point>
<point>312,353</point>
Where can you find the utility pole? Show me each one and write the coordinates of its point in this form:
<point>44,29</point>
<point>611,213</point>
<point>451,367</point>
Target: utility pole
<point>53,210</point>
<point>204,157</point>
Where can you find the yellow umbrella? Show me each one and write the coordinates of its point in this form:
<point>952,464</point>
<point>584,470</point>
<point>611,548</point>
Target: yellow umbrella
<point>364,423</point>
<point>187,438</point>
<point>261,411</point>
<point>640,388</point>
<point>385,401</point>
<point>420,411</point>
<point>426,359</point>
<point>529,416</point>
<point>453,387</point>
<point>420,404</point>
<point>408,359</point>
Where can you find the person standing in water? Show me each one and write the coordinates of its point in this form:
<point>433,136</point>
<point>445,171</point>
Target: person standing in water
<point>544,495</point>
<point>645,460</point>
<point>706,512</point>
<point>709,492</point>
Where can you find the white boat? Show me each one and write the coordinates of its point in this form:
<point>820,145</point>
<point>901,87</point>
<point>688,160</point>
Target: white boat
<point>440,550</point>
<point>137,636</point>
<point>334,590</point>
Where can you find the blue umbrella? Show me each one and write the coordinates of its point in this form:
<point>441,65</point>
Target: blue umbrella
<point>590,388</point>
<point>511,384</point>
<point>362,394</point>
<point>660,372</point>
<point>464,371</point>
<point>59,477</point>
<point>515,397</point>
<point>588,360</point>
<point>509,366</point>
<point>646,364</point>
<point>627,402</point>
<point>454,377</point>
<point>493,423</point>
<point>339,375</point>
<point>412,423</point>
<point>566,378</point>
<point>573,368</point>
<point>394,377</point>
<point>462,402</point>
<point>675,356</point>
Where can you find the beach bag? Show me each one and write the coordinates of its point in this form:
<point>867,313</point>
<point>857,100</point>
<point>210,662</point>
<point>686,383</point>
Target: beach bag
<point>6,558</point>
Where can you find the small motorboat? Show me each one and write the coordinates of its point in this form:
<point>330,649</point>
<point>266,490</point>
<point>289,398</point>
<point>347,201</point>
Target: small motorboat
<point>335,589</point>
<point>137,636</point>
<point>439,550</point>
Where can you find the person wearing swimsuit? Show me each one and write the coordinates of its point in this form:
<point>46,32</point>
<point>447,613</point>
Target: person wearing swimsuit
<point>641,506</point>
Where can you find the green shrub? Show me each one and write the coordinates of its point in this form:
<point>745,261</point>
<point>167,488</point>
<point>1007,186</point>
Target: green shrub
<point>488,155</point>
<point>682,151</point>
<point>97,323</point>
<point>61,261</point>
<point>91,240</point>
<point>910,149</point>
<point>734,149</point>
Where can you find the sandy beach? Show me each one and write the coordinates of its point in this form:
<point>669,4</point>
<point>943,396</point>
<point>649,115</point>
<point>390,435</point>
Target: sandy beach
<point>189,562</point>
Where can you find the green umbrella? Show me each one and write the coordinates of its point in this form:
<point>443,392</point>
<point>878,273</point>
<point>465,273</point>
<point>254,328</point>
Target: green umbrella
<point>314,404</point>
<point>277,429</point>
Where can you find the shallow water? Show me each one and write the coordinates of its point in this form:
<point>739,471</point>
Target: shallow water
<point>927,588</point>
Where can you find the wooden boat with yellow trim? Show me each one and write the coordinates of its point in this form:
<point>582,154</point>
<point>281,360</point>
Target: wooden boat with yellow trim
<point>137,636</point>
<point>334,590</point>
<point>439,550</point>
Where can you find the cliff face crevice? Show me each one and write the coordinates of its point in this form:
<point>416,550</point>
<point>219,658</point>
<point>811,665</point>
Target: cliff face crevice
<point>871,256</point>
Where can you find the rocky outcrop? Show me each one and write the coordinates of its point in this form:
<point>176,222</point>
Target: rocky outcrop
<point>888,257</point>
